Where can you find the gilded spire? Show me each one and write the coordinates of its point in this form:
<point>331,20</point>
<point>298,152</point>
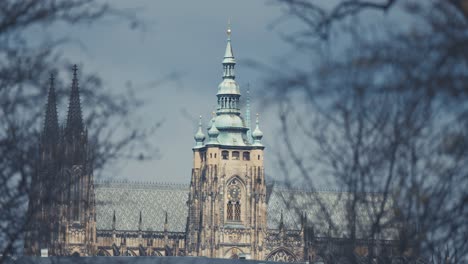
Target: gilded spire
<point>51,127</point>
<point>74,118</point>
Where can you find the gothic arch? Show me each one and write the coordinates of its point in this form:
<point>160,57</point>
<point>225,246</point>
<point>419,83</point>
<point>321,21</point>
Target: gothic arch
<point>281,255</point>
<point>233,253</point>
<point>235,199</point>
<point>237,178</point>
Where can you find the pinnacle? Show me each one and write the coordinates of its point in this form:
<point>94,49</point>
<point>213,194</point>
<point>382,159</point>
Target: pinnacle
<point>51,127</point>
<point>74,118</point>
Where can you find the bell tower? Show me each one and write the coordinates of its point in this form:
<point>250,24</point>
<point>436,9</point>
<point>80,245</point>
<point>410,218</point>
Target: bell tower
<point>227,201</point>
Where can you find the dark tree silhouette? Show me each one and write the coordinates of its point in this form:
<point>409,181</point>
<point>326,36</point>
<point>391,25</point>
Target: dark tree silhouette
<point>25,68</point>
<point>382,112</point>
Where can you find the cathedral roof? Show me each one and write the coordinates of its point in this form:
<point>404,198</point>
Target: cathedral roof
<point>153,200</point>
<point>327,212</point>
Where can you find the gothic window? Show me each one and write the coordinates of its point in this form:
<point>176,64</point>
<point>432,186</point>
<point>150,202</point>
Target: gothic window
<point>215,155</point>
<point>235,155</point>
<point>229,211</point>
<point>225,154</point>
<point>246,155</point>
<point>234,201</point>
<point>281,255</point>
<point>237,212</point>
<point>258,157</point>
<point>211,155</point>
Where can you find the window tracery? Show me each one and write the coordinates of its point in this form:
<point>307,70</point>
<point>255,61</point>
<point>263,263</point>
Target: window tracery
<point>234,201</point>
<point>281,256</point>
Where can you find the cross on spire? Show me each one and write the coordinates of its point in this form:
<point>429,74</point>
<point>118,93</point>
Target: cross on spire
<point>74,125</point>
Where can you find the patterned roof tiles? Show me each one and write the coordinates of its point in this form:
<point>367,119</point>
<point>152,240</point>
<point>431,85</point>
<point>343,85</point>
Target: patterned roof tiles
<point>128,199</point>
<point>154,199</point>
<point>327,211</point>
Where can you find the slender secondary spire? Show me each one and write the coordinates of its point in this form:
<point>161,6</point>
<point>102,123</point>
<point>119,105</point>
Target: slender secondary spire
<point>74,118</point>
<point>247,115</point>
<point>51,127</point>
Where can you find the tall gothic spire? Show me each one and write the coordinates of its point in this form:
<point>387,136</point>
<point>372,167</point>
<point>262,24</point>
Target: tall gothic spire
<point>74,118</point>
<point>51,127</point>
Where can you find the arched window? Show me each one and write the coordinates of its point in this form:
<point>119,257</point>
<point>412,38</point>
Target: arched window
<point>225,154</point>
<point>235,155</point>
<point>233,210</point>
<point>246,155</point>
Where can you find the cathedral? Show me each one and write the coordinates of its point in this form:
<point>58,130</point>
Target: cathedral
<point>227,210</point>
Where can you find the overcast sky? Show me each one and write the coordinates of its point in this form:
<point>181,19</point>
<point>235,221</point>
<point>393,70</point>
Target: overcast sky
<point>186,38</point>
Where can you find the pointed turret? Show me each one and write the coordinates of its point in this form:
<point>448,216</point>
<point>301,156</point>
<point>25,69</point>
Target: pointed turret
<point>74,126</point>
<point>229,86</point>
<point>113,221</point>
<point>213,132</point>
<point>199,136</point>
<point>50,133</point>
<point>229,55</point>
<point>140,222</point>
<point>257,134</point>
<point>281,223</point>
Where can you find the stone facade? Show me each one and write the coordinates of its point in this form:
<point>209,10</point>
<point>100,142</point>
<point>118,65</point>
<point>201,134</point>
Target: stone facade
<point>227,211</point>
<point>227,203</point>
<point>61,207</point>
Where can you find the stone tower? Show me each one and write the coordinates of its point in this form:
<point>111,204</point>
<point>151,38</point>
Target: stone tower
<point>62,205</point>
<point>227,200</point>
